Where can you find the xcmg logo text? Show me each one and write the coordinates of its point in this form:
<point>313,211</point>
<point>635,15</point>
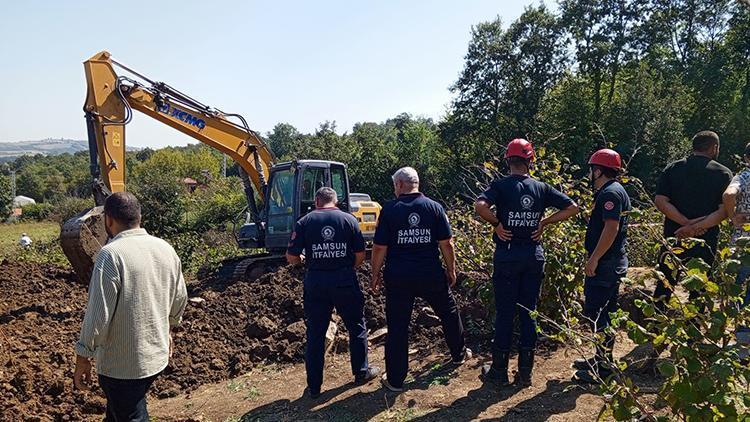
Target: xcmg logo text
<point>182,115</point>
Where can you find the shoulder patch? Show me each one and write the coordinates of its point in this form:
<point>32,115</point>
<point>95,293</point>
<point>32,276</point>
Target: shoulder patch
<point>609,205</point>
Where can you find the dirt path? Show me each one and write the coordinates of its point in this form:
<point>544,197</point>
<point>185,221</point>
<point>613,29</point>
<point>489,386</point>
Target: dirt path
<point>436,393</point>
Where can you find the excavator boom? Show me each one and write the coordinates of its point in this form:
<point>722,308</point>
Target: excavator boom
<point>110,101</point>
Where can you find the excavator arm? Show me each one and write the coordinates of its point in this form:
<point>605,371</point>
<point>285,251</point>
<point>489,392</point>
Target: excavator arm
<point>110,101</point>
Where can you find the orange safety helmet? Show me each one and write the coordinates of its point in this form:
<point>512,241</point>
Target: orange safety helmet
<point>520,148</point>
<point>606,158</point>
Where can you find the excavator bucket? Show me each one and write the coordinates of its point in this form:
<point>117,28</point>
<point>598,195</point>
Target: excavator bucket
<point>81,239</point>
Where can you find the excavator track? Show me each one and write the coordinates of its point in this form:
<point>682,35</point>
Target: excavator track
<point>248,267</point>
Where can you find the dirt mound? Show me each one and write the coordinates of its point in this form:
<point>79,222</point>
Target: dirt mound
<point>226,330</point>
<point>41,308</point>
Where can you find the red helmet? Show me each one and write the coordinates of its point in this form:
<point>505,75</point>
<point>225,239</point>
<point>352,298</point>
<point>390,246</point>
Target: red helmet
<point>520,148</point>
<point>606,158</point>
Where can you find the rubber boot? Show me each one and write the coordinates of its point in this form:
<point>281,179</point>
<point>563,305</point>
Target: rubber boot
<point>525,366</point>
<point>497,373</point>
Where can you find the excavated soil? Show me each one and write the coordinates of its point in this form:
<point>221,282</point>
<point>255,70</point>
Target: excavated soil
<point>41,308</point>
<point>229,328</point>
<point>226,330</point>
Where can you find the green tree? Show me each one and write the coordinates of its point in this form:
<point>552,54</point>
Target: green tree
<point>602,34</point>
<point>282,139</point>
<point>6,197</point>
<point>162,204</point>
<point>500,90</point>
<point>326,144</point>
<point>370,171</point>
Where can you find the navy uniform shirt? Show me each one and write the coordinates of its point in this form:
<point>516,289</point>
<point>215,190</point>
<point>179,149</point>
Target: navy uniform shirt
<point>611,202</point>
<point>329,237</point>
<point>520,202</point>
<point>411,227</point>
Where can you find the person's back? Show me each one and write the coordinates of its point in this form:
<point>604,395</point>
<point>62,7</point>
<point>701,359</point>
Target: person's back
<point>412,232</point>
<point>694,186</point>
<point>25,241</point>
<point>521,202</point>
<point>518,219</point>
<point>690,195</point>
<point>148,282</point>
<point>411,226</point>
<point>330,239</point>
<point>136,294</point>
<point>741,183</point>
<point>333,247</point>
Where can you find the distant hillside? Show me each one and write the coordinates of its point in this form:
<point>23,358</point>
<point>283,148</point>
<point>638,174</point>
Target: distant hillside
<point>11,150</point>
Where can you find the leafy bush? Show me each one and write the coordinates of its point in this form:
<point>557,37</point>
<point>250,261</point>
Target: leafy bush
<point>217,205</point>
<point>202,253</point>
<point>37,212</point>
<point>704,378</point>
<point>69,206</point>
<point>162,203</point>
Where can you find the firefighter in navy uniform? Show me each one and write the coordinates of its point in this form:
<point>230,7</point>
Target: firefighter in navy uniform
<point>520,203</point>
<point>333,247</point>
<point>412,231</point>
<point>607,261</point>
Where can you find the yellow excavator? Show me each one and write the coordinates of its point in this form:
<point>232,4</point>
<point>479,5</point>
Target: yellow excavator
<point>285,191</point>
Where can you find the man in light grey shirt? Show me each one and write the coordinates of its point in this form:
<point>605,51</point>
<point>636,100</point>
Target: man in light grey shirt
<point>137,292</point>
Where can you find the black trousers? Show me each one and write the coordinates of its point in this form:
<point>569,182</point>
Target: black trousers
<point>517,285</point>
<point>399,303</point>
<point>601,292</point>
<point>126,398</point>
<point>324,291</point>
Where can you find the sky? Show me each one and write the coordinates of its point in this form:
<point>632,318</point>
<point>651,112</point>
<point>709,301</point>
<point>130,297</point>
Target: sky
<point>299,62</point>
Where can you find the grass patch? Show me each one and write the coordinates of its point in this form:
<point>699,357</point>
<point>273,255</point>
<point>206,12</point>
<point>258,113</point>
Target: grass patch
<point>40,232</point>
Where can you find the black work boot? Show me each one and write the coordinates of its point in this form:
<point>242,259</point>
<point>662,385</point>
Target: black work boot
<point>497,373</point>
<point>525,365</point>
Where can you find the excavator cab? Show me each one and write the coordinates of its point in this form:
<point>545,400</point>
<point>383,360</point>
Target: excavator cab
<point>290,196</point>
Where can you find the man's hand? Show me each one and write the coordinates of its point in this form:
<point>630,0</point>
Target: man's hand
<point>375,283</point>
<point>739,220</point>
<point>450,275</point>
<point>591,266</point>
<point>82,373</point>
<point>690,229</point>
<point>503,234</point>
<point>537,235</point>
